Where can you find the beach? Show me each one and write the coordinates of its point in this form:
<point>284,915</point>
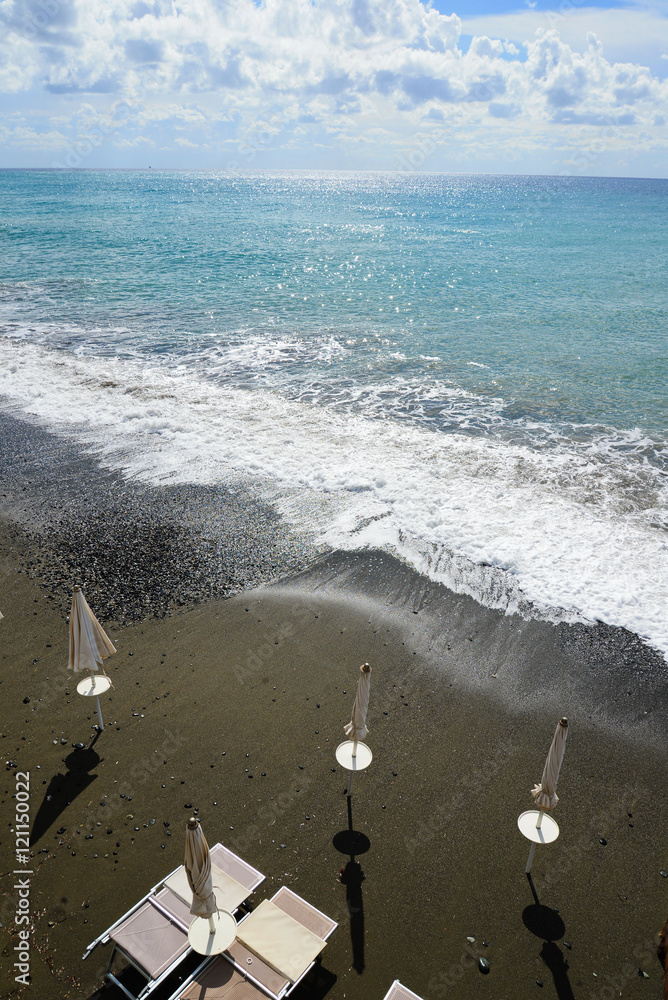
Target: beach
<point>230,704</point>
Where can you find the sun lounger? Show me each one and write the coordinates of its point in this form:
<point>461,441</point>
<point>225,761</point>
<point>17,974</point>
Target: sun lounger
<point>396,992</point>
<point>152,937</point>
<point>276,946</point>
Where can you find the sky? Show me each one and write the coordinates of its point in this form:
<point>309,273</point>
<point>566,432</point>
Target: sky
<point>526,87</point>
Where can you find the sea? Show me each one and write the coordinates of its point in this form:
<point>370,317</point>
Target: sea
<point>469,372</point>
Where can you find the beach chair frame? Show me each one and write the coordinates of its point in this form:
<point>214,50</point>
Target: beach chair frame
<point>262,987</point>
<point>153,983</point>
<point>398,991</point>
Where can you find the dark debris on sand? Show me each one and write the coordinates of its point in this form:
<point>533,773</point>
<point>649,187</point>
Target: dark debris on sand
<point>137,550</point>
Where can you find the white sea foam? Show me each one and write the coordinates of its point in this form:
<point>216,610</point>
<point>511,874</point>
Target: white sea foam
<point>502,521</point>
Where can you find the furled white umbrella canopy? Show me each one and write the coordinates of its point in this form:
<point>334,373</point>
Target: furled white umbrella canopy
<point>89,643</point>
<point>212,929</point>
<point>89,646</point>
<point>354,754</point>
<point>545,794</point>
<point>356,729</point>
<point>537,824</point>
<point>198,869</point>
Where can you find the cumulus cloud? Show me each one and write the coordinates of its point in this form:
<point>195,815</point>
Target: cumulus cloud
<point>276,73</point>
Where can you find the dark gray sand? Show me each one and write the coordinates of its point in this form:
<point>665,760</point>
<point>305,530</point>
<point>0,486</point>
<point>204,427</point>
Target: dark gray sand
<point>233,709</point>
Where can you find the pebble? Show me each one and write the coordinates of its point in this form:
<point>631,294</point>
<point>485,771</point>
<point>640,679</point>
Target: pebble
<point>603,841</point>
<point>539,982</point>
<point>483,965</point>
<point>567,944</point>
<point>471,940</point>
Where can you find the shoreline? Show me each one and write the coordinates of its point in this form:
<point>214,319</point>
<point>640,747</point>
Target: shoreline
<point>463,705</point>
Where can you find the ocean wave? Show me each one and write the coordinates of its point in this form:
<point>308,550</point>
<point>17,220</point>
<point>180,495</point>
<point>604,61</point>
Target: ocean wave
<point>536,522</point>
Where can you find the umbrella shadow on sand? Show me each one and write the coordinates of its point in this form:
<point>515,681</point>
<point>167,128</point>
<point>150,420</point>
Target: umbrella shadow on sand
<point>64,788</point>
<point>546,923</point>
<point>353,842</point>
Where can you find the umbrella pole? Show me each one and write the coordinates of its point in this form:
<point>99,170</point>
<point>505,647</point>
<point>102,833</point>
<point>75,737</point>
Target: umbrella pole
<point>533,846</point>
<point>352,773</point>
<point>212,925</point>
<point>99,711</point>
<point>529,862</point>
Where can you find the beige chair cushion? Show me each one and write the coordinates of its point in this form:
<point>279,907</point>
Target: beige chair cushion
<point>229,893</point>
<point>280,940</point>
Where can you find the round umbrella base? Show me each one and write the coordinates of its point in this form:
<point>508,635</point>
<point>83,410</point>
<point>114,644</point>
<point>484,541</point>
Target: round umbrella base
<point>204,942</point>
<point>362,758</point>
<point>92,686</point>
<point>546,833</point>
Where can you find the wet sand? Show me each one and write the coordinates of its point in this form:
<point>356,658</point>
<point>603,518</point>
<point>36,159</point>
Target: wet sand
<point>234,708</point>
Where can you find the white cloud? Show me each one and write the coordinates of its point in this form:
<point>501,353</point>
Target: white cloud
<point>637,33</point>
<point>290,74</point>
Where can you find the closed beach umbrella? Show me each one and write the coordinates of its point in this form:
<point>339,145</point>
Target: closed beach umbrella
<point>545,794</point>
<point>89,643</point>
<point>356,728</point>
<point>198,870</point>
<point>89,646</point>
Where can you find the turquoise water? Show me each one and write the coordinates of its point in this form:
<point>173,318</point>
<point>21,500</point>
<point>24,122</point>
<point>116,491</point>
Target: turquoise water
<point>471,371</point>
